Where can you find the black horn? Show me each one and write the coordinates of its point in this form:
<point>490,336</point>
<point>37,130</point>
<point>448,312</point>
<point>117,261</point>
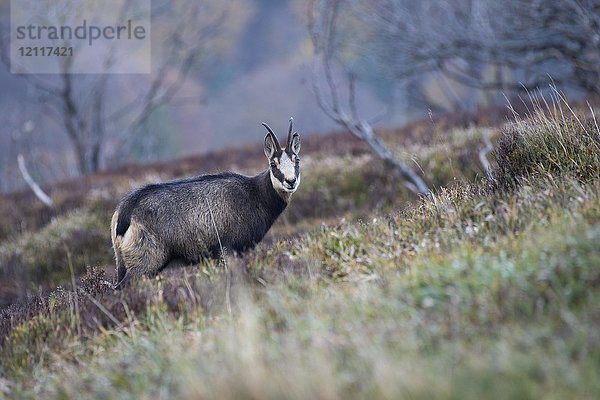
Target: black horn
<point>272,134</point>
<point>289,139</point>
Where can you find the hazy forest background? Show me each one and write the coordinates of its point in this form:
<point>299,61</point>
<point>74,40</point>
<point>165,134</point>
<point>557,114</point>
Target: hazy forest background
<point>241,62</point>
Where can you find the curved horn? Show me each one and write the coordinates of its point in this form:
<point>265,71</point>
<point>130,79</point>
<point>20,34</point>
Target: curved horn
<point>272,134</point>
<point>289,139</point>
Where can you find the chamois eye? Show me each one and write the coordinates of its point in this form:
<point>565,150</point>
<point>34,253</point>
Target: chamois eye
<point>273,164</point>
<point>297,160</point>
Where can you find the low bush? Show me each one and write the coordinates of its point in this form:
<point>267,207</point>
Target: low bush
<point>54,254</point>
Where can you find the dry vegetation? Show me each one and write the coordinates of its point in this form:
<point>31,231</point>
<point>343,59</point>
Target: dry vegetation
<point>489,289</point>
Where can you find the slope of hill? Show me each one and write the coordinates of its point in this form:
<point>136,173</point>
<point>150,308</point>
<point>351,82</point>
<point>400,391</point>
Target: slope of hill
<point>340,179</point>
<point>488,289</point>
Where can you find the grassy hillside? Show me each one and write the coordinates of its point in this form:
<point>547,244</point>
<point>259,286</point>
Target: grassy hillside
<point>487,290</point>
<point>340,180</point>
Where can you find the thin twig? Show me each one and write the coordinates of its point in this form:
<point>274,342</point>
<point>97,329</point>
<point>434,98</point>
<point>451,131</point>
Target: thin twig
<point>103,309</point>
<point>74,284</point>
<point>594,117</point>
<point>564,100</point>
<point>227,272</point>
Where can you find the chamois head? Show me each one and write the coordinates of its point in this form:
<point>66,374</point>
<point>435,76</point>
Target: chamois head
<point>284,163</point>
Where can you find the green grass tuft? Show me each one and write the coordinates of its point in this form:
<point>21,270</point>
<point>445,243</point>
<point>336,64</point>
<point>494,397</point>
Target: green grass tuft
<point>548,145</point>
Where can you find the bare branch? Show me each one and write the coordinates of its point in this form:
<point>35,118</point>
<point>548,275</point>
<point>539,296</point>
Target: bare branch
<point>82,103</point>
<point>159,95</point>
<point>483,153</point>
<point>322,23</point>
<point>35,188</point>
<point>322,103</point>
<point>352,95</point>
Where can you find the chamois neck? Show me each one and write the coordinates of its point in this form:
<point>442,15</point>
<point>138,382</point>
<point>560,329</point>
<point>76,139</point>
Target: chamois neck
<point>269,195</point>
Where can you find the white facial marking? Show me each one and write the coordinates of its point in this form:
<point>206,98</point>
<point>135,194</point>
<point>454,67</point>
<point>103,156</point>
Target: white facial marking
<point>277,185</point>
<point>287,167</point>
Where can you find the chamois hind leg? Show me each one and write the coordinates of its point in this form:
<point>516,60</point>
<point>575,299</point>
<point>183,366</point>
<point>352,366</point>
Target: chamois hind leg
<point>142,253</point>
<point>116,242</point>
<point>121,269</point>
<point>122,282</point>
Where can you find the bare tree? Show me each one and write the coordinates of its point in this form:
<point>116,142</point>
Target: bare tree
<point>322,23</point>
<point>544,40</point>
<point>105,115</point>
<point>491,46</point>
<point>527,43</point>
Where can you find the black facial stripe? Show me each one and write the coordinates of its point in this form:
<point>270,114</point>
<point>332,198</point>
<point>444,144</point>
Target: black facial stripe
<point>277,174</point>
<point>290,153</point>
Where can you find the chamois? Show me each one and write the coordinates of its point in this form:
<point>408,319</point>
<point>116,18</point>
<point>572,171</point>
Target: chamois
<point>195,218</point>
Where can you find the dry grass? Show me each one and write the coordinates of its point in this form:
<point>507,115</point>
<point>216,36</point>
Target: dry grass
<point>474,293</point>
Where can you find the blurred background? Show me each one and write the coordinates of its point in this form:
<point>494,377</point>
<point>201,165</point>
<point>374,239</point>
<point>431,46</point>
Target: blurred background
<point>219,68</point>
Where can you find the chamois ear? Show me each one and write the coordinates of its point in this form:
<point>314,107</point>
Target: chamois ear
<point>295,143</point>
<point>270,146</point>
<point>271,142</point>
